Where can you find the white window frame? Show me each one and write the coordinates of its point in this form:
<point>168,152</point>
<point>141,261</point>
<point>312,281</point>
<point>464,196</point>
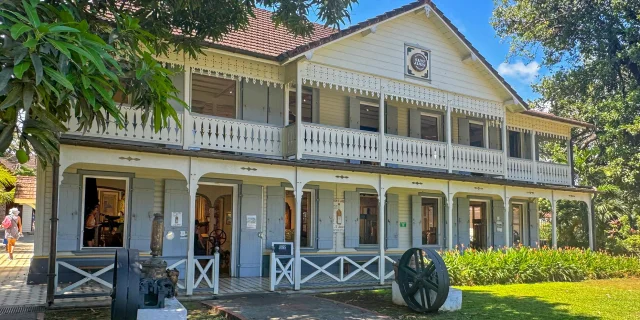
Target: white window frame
<point>438,122</point>
<point>314,216</point>
<point>485,132</point>
<point>127,194</point>
<point>522,230</point>
<point>440,217</point>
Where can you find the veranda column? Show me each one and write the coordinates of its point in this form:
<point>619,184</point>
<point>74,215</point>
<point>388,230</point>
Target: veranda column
<point>193,188</point>
<point>381,226</point>
<point>286,105</point>
<point>450,217</point>
<point>590,217</point>
<point>534,157</point>
<point>449,146</point>
<point>507,216</point>
<point>299,128</point>
<point>186,115</point>
<point>503,143</point>
<point>297,268</point>
<point>382,146</point>
<point>554,223</point>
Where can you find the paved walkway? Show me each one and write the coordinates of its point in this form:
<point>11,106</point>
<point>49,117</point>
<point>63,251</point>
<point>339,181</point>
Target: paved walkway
<point>274,306</point>
<point>14,290</point>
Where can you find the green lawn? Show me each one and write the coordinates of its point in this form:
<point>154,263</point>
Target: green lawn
<point>597,299</point>
<point>196,311</point>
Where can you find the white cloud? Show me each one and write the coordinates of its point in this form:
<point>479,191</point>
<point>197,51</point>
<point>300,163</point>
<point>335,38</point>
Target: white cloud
<point>524,72</point>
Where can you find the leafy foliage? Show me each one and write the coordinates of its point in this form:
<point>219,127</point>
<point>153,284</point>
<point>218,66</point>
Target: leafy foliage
<point>7,185</point>
<point>528,265</point>
<point>592,49</point>
<point>67,59</point>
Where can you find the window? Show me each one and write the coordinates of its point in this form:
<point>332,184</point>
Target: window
<point>306,233</point>
<point>476,134</point>
<point>429,221</point>
<point>515,144</point>
<point>368,219</point>
<point>105,211</point>
<point>430,127</point>
<point>307,106</point>
<point>213,96</point>
<point>517,223</point>
<point>369,117</point>
<point>478,230</point>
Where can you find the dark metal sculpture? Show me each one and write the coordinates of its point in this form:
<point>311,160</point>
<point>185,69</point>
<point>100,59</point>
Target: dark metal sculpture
<point>141,285</point>
<point>423,280</point>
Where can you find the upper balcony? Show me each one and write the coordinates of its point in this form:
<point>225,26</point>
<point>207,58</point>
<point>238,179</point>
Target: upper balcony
<point>258,119</point>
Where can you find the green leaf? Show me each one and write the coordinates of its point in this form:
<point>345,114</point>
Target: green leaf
<point>37,65</point>
<point>57,29</point>
<point>61,46</point>
<point>14,96</point>
<point>30,43</point>
<point>31,13</point>
<point>19,29</point>
<point>21,68</point>
<point>58,78</point>
<point>5,76</point>
<point>27,97</point>
<point>20,53</point>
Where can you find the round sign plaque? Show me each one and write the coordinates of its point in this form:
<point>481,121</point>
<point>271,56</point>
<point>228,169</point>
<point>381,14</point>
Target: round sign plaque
<point>419,61</point>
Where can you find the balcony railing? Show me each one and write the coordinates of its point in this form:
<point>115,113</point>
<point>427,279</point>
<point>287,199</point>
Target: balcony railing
<point>133,129</point>
<point>416,152</point>
<point>479,160</point>
<point>231,135</point>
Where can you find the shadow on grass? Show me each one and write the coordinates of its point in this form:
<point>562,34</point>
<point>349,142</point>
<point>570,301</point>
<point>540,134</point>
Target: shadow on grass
<point>475,305</point>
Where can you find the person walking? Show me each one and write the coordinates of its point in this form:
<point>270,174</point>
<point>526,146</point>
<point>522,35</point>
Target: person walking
<point>13,230</point>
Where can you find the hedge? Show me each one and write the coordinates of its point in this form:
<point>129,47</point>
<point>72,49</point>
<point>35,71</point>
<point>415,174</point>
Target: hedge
<point>528,265</point>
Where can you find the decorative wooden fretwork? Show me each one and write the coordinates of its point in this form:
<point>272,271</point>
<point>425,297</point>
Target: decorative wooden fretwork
<point>334,78</point>
<point>544,127</point>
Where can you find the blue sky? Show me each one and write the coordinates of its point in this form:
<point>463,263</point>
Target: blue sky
<point>472,19</point>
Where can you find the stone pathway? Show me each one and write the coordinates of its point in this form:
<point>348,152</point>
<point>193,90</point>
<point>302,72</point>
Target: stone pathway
<point>14,290</point>
<point>274,306</point>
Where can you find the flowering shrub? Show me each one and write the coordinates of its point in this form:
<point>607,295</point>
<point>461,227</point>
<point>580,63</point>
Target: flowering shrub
<point>528,265</point>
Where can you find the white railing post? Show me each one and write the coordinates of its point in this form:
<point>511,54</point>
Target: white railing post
<point>216,272</point>
<point>449,146</point>
<point>272,272</point>
<point>381,227</point>
<point>299,129</point>
<point>297,263</point>
<point>193,187</point>
<point>534,157</point>
<point>186,114</point>
<point>382,144</point>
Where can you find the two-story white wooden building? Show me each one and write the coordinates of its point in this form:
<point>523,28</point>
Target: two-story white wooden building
<point>354,145</point>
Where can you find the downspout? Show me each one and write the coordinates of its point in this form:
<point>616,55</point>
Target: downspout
<point>51,274</point>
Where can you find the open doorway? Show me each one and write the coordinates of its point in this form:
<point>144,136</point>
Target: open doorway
<point>478,230</point>
<point>215,208</point>
<point>105,206</point>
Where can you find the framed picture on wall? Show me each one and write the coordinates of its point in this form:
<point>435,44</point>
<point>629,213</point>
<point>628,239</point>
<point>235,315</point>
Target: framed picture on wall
<point>109,202</point>
<point>228,218</point>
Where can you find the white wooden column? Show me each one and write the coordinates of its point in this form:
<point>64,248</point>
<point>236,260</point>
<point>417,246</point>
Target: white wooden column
<point>507,221</point>
<point>503,143</point>
<point>381,225</point>
<point>590,217</point>
<point>297,263</point>
<point>554,223</point>
<point>193,188</point>
<point>286,105</point>
<point>533,156</point>
<point>450,217</point>
<point>299,129</point>
<point>186,114</point>
<point>382,146</point>
<point>449,146</point>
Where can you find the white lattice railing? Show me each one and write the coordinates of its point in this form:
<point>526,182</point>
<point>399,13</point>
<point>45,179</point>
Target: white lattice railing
<point>343,143</point>
<point>290,134</point>
<point>133,128</point>
<point>95,277</point>
<point>181,284</point>
<point>210,272</point>
<point>281,267</point>
<point>391,273</point>
<point>416,152</point>
<point>553,173</point>
<point>480,160</point>
<point>519,169</point>
<point>225,134</point>
<point>339,263</point>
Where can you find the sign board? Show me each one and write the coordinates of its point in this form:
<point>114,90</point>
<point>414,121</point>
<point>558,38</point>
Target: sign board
<point>176,219</point>
<point>403,224</point>
<point>417,62</point>
<point>252,221</point>
<point>282,248</point>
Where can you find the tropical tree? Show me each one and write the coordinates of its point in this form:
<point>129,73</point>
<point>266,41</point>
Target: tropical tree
<point>592,49</point>
<point>67,58</point>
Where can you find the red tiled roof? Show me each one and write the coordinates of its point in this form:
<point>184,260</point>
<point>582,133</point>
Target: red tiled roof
<point>262,37</point>
<point>25,187</point>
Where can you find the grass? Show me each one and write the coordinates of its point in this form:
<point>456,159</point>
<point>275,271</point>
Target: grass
<point>196,311</point>
<point>592,299</point>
